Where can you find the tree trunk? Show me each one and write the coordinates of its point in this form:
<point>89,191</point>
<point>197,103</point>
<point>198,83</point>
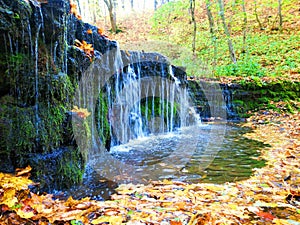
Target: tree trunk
<point>113,23</point>
<point>155,5</point>
<point>244,26</point>
<point>280,15</point>
<point>192,7</point>
<point>112,16</point>
<point>230,45</point>
<point>212,30</point>
<point>257,17</point>
<point>131,3</point>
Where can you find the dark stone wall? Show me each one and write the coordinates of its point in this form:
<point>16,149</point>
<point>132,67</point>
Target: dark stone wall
<point>39,71</point>
<point>241,99</point>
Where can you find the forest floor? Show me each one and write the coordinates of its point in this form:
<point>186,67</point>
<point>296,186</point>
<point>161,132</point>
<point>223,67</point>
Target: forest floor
<point>270,196</point>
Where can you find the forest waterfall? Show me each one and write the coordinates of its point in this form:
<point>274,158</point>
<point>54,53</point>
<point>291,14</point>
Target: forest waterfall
<point>131,95</point>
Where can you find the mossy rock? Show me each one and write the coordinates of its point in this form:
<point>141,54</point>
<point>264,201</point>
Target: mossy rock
<point>61,169</point>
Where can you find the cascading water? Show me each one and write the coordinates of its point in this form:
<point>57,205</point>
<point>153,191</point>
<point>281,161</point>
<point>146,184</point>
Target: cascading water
<point>137,95</point>
<point>145,104</point>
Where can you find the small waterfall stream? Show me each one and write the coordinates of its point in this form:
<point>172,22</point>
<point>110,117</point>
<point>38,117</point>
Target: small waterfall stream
<point>138,104</point>
<point>144,105</point>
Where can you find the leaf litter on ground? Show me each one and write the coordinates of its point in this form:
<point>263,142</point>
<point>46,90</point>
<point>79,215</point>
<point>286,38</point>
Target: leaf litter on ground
<point>270,196</point>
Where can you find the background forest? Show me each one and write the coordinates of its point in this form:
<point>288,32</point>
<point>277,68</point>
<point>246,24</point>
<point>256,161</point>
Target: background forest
<point>257,38</point>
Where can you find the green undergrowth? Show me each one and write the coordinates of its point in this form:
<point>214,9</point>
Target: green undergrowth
<point>268,63</point>
<point>266,53</point>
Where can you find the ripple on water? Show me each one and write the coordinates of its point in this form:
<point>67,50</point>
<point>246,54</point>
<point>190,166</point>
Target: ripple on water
<point>233,159</point>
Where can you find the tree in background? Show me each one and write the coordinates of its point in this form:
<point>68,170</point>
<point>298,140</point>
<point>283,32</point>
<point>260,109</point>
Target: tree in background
<point>131,4</point>
<point>111,6</point>
<point>211,23</point>
<point>192,9</point>
<point>155,4</point>
<point>244,26</point>
<point>280,15</point>
<point>257,17</point>
<point>226,30</point>
<point>160,3</point>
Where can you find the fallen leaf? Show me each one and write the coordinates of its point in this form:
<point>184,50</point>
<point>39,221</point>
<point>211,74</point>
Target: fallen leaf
<point>21,172</point>
<point>116,220</point>
<point>265,215</point>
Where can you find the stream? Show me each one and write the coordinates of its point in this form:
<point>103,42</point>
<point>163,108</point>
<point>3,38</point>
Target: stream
<point>167,156</point>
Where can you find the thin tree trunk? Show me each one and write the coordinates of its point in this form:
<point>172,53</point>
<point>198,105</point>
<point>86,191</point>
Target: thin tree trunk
<point>192,7</point>
<point>280,15</point>
<point>230,45</point>
<point>244,26</point>
<point>112,16</point>
<point>257,17</point>
<point>212,30</point>
<point>131,3</point>
<point>155,5</point>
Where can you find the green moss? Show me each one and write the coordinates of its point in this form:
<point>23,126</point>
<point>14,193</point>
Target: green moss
<point>60,169</point>
<point>262,95</point>
<point>85,142</point>
<point>157,107</point>
<point>71,168</point>
<point>31,132</point>
<point>102,113</point>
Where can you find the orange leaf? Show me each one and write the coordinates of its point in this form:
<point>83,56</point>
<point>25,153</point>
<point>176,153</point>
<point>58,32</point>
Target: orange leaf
<point>87,48</point>
<point>265,215</point>
<point>100,31</point>
<point>173,222</point>
<point>73,10</point>
<point>89,31</point>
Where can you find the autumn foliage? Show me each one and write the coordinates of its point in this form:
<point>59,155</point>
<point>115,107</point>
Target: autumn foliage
<point>74,11</point>
<point>81,112</point>
<point>86,48</point>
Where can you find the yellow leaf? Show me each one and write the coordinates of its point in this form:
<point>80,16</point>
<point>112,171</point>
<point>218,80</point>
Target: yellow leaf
<point>9,198</point>
<point>114,220</point>
<point>25,215</point>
